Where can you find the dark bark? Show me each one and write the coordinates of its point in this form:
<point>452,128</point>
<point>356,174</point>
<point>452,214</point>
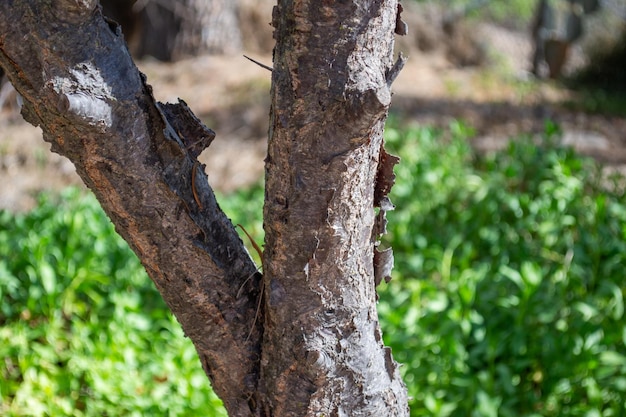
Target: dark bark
<point>81,87</point>
<point>314,347</point>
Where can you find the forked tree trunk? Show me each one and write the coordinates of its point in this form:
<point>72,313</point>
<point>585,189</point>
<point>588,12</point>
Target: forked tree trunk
<point>314,346</point>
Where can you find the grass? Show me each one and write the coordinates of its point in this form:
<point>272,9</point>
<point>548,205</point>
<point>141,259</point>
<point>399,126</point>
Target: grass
<point>83,332</point>
<point>507,297</point>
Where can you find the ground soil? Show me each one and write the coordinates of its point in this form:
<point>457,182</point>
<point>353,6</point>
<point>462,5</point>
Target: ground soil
<point>231,94</point>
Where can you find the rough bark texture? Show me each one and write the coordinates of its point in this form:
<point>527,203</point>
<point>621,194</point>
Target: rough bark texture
<point>330,96</point>
<point>81,87</point>
<point>314,347</point>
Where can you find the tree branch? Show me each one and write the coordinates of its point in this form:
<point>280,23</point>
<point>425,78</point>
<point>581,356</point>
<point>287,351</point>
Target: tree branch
<point>81,87</point>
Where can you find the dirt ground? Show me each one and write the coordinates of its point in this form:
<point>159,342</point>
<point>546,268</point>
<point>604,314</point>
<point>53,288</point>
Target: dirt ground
<point>231,94</point>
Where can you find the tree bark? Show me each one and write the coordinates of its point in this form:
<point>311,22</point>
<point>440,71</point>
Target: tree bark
<point>330,96</point>
<point>139,157</point>
<point>173,30</point>
<point>209,26</point>
<point>304,339</point>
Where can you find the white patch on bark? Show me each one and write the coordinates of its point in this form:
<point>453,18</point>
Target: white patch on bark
<point>85,93</point>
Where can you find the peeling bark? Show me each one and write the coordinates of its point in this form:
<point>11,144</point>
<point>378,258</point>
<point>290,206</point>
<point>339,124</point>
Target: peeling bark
<point>315,346</point>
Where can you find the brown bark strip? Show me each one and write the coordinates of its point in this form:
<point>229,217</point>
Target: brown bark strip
<point>193,184</point>
<point>385,178</point>
<point>81,87</point>
<point>195,136</point>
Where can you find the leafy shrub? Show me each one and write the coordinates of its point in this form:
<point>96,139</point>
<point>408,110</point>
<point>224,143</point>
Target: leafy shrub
<point>83,331</point>
<point>508,295</point>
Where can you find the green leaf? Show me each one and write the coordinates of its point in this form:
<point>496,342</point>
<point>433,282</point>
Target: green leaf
<point>612,358</point>
<point>531,274</point>
<point>48,278</point>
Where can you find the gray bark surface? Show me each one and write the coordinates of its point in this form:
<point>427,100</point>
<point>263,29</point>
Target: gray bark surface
<point>209,26</point>
<point>314,347</point>
<point>330,96</point>
<point>173,30</point>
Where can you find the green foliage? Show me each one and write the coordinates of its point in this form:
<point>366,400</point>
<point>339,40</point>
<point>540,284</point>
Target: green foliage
<point>512,12</point>
<point>83,331</point>
<point>245,208</point>
<point>508,295</point>
<point>517,13</point>
<point>598,100</point>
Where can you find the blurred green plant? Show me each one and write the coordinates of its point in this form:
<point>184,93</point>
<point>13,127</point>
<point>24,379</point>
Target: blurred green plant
<point>508,291</point>
<point>245,207</point>
<point>83,331</point>
<point>516,13</point>
<point>597,100</point>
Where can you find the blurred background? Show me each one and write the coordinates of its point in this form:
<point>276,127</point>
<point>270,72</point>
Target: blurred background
<point>509,232</point>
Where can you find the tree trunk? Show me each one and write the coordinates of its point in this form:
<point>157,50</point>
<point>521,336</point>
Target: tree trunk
<point>303,339</point>
<point>209,26</point>
<point>322,348</point>
<point>171,30</point>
